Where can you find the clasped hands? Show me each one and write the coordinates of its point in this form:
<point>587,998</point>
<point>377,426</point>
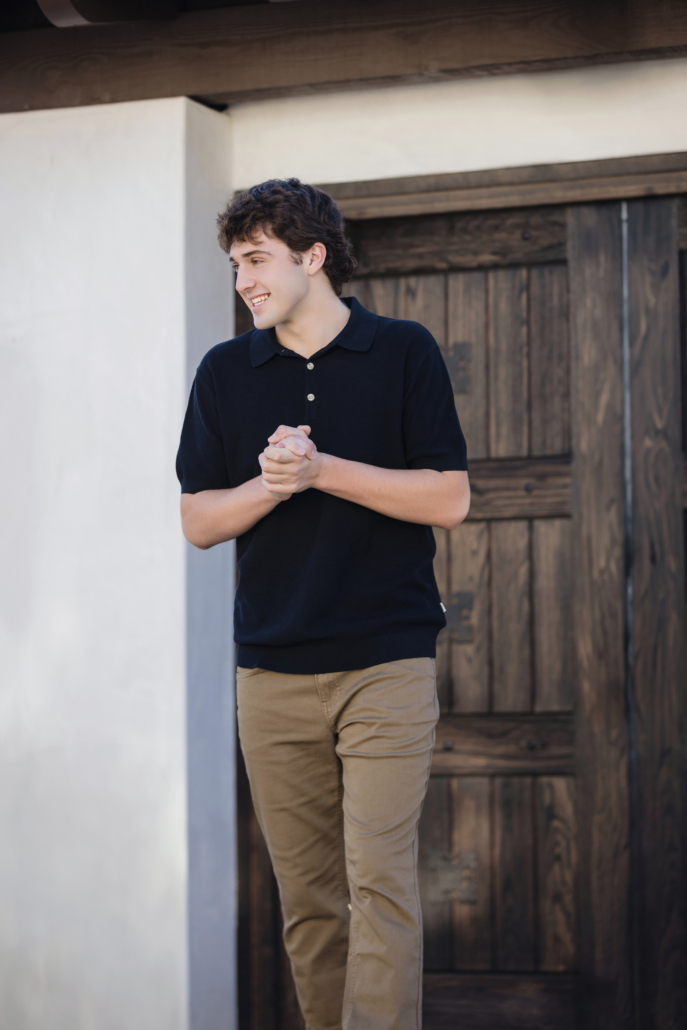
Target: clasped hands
<point>290,463</point>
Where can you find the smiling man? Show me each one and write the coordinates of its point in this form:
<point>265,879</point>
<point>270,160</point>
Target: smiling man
<point>326,442</point>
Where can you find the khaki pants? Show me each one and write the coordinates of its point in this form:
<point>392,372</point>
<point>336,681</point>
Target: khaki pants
<point>338,765</point>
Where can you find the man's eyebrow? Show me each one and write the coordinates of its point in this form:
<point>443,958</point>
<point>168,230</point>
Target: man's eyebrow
<point>252,253</point>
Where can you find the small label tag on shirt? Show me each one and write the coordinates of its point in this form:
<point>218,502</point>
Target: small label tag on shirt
<point>443,606</point>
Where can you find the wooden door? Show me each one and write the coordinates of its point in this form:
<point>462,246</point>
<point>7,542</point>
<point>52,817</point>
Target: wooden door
<point>544,901</point>
<point>498,838</point>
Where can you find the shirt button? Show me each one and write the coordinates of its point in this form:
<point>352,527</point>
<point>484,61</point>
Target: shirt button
<point>310,365</point>
<point>311,396</point>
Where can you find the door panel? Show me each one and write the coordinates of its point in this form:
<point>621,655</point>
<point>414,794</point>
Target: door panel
<point>551,594</point>
<point>470,580</point>
<point>508,363</point>
<point>498,847</point>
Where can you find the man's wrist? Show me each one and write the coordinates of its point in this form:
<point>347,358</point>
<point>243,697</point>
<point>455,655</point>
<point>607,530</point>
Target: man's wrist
<point>326,466</point>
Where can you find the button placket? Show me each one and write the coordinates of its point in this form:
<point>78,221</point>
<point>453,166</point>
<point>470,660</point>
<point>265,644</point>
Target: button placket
<point>310,366</point>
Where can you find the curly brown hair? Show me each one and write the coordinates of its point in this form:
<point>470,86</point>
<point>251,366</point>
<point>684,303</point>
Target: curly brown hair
<point>298,215</point>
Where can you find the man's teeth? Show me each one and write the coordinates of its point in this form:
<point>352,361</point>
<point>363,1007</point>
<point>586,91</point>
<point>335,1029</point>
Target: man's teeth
<point>259,300</point>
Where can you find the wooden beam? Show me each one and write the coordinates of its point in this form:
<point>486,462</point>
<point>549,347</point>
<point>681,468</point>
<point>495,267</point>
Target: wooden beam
<point>598,506</point>
<point>467,239</point>
<point>267,50</point>
<point>534,185</point>
<point>494,1001</point>
<point>520,488</point>
<point>659,613</point>
<point>474,745</point>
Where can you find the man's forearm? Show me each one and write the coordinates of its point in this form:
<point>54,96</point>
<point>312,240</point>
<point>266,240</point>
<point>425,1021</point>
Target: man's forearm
<point>413,495</point>
<point>213,516</point>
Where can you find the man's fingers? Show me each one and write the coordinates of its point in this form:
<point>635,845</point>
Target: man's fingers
<point>283,431</point>
<point>282,456</point>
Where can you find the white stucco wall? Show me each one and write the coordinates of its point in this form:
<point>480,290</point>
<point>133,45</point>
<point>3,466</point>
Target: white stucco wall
<point>94,322</point>
<point>496,122</point>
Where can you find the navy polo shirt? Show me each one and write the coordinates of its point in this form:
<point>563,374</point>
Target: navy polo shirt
<point>326,585</point>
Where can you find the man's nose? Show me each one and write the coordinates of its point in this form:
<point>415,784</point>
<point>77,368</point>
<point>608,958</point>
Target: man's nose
<point>244,280</point>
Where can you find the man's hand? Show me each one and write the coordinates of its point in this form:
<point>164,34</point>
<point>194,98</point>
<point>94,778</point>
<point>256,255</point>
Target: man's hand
<point>289,464</point>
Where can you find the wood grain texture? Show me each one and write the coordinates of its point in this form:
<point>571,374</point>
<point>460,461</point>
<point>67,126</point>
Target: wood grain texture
<point>471,850</point>
<point>492,1001</point>
<point>433,860</point>
<point>521,488</point>
<point>557,873</point>
<point>682,207</point>
<point>659,589</point>
<point>466,356</point>
<point>598,597</point>
<point>470,658</point>
<point>510,616</point>
<point>432,243</point>
<point>266,50</point>
<point>498,744</point>
<point>386,297</point>
<point>514,867</point>
<point>508,363</point>
<point>549,360</point>
<point>424,301</point>
<point>518,195</point>
<point>552,602</point>
<point>682,222</point>
<point>609,169</point>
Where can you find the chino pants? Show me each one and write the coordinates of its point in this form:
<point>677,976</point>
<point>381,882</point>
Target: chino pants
<point>338,765</point>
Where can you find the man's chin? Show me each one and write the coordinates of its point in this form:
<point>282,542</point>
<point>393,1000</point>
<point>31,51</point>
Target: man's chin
<point>264,319</point>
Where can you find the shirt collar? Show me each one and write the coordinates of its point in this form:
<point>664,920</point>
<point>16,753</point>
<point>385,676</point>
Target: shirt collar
<point>357,334</point>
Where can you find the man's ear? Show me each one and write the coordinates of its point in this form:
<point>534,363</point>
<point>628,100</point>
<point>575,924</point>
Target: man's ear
<point>316,258</point>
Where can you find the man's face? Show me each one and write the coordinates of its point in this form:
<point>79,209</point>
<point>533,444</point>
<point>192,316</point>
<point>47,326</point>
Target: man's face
<point>271,279</point>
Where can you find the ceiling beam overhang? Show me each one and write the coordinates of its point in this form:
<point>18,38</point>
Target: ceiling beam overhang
<point>275,49</point>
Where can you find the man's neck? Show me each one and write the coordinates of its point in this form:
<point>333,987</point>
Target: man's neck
<point>316,322</point>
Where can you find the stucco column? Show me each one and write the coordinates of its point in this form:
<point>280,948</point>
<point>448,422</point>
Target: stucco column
<point>112,288</point>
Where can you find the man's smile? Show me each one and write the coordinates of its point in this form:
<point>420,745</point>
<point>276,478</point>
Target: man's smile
<point>255,302</point>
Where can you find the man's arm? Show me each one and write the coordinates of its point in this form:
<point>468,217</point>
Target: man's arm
<point>292,464</point>
<point>425,496</point>
<point>212,516</point>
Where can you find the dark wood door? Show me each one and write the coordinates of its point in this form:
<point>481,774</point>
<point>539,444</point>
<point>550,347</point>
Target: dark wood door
<point>555,763</point>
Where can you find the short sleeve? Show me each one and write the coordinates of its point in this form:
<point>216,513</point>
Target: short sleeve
<point>201,464</point>
<point>432,436</point>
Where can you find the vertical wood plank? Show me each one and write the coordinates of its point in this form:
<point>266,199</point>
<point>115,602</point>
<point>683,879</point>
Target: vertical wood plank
<point>508,362</point>
<point>433,860</point>
<point>659,588</point>
<point>598,597</point>
<point>385,296</point>
<point>683,338</point>
<point>551,543</point>
<point>557,873</point>
<point>466,356</point>
<point>510,616</point>
<point>470,657</point>
<point>549,360</point>
<point>443,656</point>
<point>424,301</point>
<point>514,848</point>
<point>358,288</point>
<point>471,851</point>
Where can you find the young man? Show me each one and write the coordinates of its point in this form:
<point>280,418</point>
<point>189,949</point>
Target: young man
<point>326,443</point>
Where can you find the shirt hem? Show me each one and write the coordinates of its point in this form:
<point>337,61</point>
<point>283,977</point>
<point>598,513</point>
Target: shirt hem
<point>317,657</point>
